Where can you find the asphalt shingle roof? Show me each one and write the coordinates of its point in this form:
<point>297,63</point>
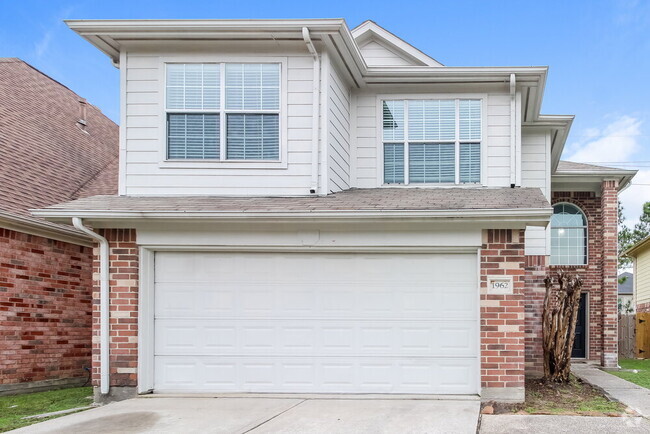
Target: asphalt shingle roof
<point>570,166</point>
<point>375,199</point>
<point>47,157</point>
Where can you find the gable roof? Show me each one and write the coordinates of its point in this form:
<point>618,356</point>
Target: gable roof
<point>370,32</point>
<point>48,157</point>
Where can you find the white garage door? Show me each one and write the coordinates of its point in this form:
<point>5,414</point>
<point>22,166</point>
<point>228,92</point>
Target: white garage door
<point>316,322</point>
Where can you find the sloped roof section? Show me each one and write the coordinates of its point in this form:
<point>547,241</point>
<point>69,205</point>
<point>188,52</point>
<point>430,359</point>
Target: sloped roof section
<point>570,166</point>
<point>379,47</point>
<point>347,201</point>
<point>48,156</point>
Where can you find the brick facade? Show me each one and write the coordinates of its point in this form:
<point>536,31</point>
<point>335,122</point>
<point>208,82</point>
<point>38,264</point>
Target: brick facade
<point>124,308</point>
<point>643,308</point>
<point>599,276</point>
<point>45,309</point>
<point>536,270</point>
<point>502,316</point>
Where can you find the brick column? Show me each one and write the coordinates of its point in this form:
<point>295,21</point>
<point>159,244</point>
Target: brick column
<point>124,309</point>
<point>502,317</point>
<point>609,267</point>
<point>536,270</point>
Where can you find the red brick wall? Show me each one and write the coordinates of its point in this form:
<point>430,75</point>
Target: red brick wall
<point>643,307</point>
<point>536,270</point>
<point>599,276</point>
<point>45,308</point>
<point>124,308</point>
<point>502,316</point>
<point>609,269</point>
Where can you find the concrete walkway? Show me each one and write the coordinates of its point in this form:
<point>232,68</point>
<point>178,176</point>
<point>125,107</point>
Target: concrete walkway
<point>636,397</point>
<point>269,415</point>
<point>508,424</point>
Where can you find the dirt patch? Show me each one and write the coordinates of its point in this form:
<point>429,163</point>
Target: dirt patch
<point>574,399</point>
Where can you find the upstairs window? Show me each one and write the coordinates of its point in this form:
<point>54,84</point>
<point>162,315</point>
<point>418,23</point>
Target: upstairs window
<point>432,141</point>
<point>221,111</point>
<point>568,235</point>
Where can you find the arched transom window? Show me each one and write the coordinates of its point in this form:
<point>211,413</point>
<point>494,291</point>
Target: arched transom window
<point>568,235</point>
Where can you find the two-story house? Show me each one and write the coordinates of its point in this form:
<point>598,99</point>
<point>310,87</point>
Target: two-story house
<point>305,208</point>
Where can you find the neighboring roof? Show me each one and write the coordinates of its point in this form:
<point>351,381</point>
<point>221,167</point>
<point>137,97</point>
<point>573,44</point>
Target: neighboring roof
<point>376,202</point>
<point>587,173</point>
<point>627,287</point>
<point>47,156</point>
<point>369,30</point>
<point>637,248</point>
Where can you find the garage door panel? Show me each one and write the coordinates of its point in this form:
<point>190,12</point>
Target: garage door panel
<point>315,337</point>
<point>327,375</point>
<point>316,322</point>
<point>249,300</point>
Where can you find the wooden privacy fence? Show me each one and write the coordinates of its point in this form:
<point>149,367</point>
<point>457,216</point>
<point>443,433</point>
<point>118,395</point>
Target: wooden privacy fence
<point>643,335</point>
<point>634,336</point>
<point>626,336</point>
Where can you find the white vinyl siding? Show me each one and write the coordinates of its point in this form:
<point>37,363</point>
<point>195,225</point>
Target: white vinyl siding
<point>441,138</point>
<point>536,173</point>
<point>338,131</point>
<point>143,167</point>
<point>376,54</point>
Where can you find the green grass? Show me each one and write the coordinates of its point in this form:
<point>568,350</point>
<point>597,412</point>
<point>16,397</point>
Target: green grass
<point>575,397</point>
<point>642,378</point>
<point>14,408</point>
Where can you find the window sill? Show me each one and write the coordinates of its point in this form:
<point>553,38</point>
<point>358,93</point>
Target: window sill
<point>221,164</point>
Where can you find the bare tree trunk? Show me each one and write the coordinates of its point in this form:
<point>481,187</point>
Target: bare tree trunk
<point>559,324</point>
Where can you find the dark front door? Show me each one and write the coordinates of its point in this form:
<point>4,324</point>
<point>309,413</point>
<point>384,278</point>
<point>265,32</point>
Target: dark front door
<point>579,344</point>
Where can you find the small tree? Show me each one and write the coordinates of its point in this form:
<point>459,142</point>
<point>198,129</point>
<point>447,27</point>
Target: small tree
<point>559,325</point>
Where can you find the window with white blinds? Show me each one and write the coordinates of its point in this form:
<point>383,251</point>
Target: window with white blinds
<point>441,139</point>
<point>223,111</point>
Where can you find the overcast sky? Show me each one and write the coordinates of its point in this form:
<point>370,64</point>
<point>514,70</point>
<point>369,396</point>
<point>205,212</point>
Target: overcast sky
<point>598,53</point>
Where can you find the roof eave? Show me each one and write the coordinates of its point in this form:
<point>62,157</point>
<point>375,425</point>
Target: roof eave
<point>532,216</point>
<point>641,245</point>
<point>43,229</point>
<point>624,177</point>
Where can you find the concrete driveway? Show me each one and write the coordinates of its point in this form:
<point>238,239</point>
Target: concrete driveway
<point>269,415</point>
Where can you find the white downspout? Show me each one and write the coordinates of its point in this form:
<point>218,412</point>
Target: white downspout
<point>315,147</point>
<point>513,131</point>
<point>104,308</point>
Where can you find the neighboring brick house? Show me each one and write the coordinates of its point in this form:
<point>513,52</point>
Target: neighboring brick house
<point>306,208</point>
<point>55,147</point>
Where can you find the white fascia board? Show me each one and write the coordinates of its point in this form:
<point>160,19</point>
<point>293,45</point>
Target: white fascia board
<point>42,229</point>
<point>530,216</point>
<point>624,177</point>
<point>369,29</point>
<point>108,35</point>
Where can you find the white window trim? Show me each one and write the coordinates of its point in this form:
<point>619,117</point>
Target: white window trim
<point>222,163</point>
<point>586,263</point>
<point>429,96</point>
